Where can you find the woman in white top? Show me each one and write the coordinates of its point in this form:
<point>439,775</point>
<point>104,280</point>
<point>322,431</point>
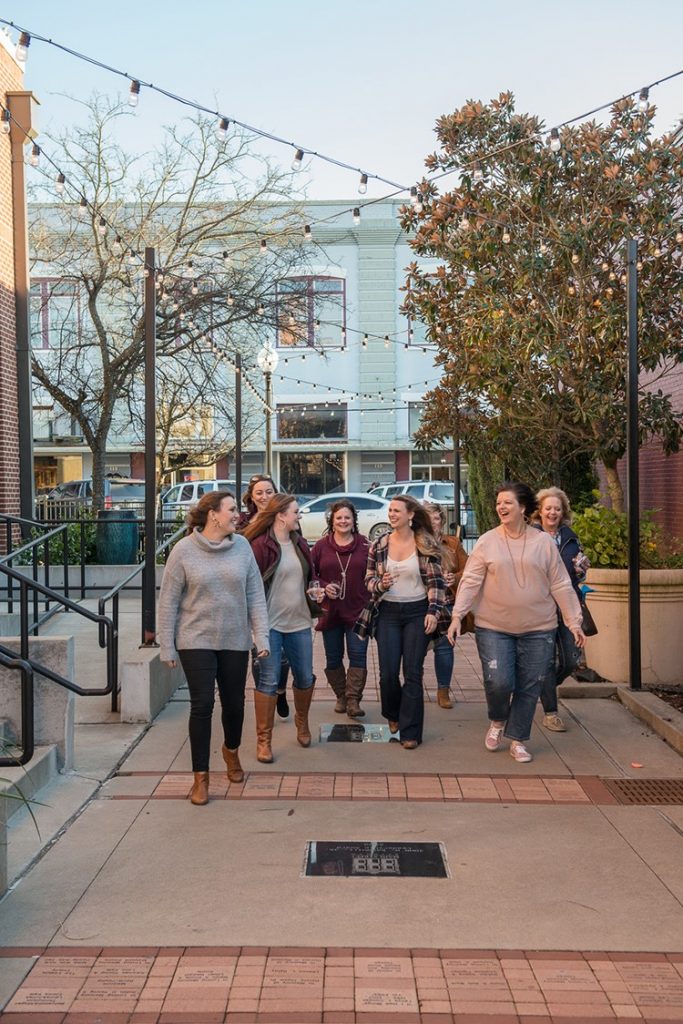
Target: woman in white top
<point>407,599</point>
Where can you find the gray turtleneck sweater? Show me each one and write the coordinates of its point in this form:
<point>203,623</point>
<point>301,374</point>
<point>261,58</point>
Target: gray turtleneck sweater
<point>211,598</point>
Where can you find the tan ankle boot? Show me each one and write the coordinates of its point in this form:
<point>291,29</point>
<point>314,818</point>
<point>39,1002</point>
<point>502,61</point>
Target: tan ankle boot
<point>232,760</point>
<point>302,703</point>
<point>200,789</point>
<point>336,677</point>
<point>443,698</point>
<point>355,684</point>
<point>264,709</point>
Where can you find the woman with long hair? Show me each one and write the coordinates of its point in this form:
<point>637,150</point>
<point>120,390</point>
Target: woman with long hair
<point>407,599</point>
<point>211,608</point>
<point>284,560</point>
<point>514,581</point>
<point>453,562</point>
<point>340,559</point>
<point>553,515</point>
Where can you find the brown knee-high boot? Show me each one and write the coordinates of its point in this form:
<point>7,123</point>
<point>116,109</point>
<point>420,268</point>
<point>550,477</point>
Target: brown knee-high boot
<point>355,684</point>
<point>336,677</point>
<point>200,789</point>
<point>264,709</point>
<point>302,702</point>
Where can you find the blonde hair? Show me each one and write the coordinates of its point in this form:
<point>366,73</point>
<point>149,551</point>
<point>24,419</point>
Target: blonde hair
<point>553,492</point>
<point>448,560</point>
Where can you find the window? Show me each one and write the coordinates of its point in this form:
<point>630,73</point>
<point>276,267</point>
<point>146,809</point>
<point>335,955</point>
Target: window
<point>311,312</point>
<point>366,504</point>
<point>302,473</point>
<point>415,411</point>
<point>55,310</point>
<point>312,421</point>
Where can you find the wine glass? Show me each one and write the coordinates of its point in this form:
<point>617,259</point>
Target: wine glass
<point>315,591</point>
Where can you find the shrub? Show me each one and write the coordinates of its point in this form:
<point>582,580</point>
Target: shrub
<point>604,537</point>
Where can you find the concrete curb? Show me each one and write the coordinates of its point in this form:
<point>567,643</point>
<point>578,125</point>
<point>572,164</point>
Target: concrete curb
<point>666,721</point>
<point>575,689</point>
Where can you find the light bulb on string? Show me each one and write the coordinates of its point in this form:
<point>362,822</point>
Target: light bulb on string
<point>263,247</point>
<point>259,309</point>
<point>543,248</point>
<point>639,265</point>
<point>413,196</point>
<point>575,257</point>
<point>226,259</point>
<point>419,205</point>
<point>298,159</point>
<point>231,299</point>
<point>222,129</point>
<point>386,341</point>
<point>308,234</point>
<point>134,93</point>
<point>6,125</point>
<point>21,52</point>
<point>195,288</point>
<point>82,207</point>
<point>363,184</point>
<point>356,215</point>
<point>679,236</point>
<point>59,184</point>
<point>189,269</point>
<point>612,275</point>
<point>555,144</point>
<point>643,100</point>
<point>132,258</point>
<point>102,227</point>
<point>365,341</point>
<point>478,171</point>
<point>506,235</point>
<point>605,265</point>
<point>116,246</point>
<point>35,155</point>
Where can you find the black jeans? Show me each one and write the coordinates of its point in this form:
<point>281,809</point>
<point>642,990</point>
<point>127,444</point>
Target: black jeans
<point>401,637</point>
<point>203,669</point>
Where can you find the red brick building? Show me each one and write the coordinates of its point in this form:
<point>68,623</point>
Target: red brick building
<point>11,80</point>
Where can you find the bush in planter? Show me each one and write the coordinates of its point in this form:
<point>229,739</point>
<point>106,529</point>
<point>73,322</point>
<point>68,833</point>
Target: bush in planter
<point>73,544</point>
<point>604,537</point>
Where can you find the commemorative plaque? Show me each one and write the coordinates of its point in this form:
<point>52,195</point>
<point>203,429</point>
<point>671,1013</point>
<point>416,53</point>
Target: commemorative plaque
<point>357,859</point>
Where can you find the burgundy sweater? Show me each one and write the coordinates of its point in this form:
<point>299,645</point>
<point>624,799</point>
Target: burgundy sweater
<point>326,556</point>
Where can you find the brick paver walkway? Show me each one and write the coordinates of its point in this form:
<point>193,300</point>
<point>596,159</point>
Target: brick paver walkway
<point>261,985</point>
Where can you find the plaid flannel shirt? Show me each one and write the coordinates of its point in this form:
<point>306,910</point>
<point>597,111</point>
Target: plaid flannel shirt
<point>432,577</point>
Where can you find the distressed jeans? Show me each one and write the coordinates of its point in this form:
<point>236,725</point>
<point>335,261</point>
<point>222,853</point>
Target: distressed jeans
<point>514,667</point>
<point>567,656</point>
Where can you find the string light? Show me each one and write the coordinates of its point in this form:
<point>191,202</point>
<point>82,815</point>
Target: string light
<point>222,129</point>
<point>59,184</point>
<point>21,52</point>
<point>6,122</point>
<point>478,171</point>
<point>226,259</point>
<point>643,100</point>
<point>132,258</point>
<point>308,234</point>
<point>35,155</point>
<point>575,257</point>
<point>102,227</point>
<point>82,207</point>
<point>134,93</point>
<point>555,144</point>
<point>116,245</point>
<point>298,159</point>
<point>363,184</point>
<point>356,215</point>
<point>506,235</point>
<point>263,246</point>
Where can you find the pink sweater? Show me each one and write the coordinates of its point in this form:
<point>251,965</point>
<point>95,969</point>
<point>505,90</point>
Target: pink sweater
<point>489,588</point>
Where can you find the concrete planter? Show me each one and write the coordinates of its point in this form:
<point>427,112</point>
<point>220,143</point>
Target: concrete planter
<point>661,619</point>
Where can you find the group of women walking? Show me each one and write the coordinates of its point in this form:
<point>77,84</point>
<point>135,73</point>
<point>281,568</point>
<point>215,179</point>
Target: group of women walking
<point>241,583</point>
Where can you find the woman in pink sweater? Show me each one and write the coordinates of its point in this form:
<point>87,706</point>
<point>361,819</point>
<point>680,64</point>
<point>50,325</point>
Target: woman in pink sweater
<point>514,582</point>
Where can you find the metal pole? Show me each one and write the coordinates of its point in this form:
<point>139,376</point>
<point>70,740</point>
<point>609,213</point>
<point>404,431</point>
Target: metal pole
<point>456,482</point>
<point>149,569</point>
<point>632,481</point>
<point>238,428</point>
<point>269,440</point>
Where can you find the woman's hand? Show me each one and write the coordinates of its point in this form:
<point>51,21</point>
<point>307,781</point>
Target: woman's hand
<point>262,654</point>
<point>449,578</point>
<point>386,581</point>
<point>453,630</point>
<point>171,664</point>
<point>579,637</point>
<point>430,623</point>
<point>332,591</point>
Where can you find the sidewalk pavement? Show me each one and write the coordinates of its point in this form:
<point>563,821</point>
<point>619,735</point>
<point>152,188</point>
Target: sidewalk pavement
<point>563,900</point>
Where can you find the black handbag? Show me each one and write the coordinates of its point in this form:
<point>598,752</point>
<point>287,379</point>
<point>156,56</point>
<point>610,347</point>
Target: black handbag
<point>588,622</point>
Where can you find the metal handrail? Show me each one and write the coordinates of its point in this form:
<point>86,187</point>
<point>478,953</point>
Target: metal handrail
<point>10,660</point>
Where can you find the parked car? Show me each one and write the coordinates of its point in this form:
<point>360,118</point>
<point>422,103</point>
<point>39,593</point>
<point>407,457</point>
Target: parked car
<point>119,492</point>
<point>373,520</point>
<point>440,491</point>
<point>178,498</point>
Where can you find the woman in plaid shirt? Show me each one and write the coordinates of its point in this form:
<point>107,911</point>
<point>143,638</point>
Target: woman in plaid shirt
<point>407,600</point>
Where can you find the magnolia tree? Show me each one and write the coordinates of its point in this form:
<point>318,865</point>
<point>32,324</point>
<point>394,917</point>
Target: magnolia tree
<point>207,206</point>
<point>527,304</point>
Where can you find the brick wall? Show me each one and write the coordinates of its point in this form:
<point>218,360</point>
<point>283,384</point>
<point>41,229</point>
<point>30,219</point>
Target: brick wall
<point>11,79</point>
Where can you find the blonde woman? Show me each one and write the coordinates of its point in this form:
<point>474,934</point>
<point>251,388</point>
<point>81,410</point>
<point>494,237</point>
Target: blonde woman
<point>554,515</point>
<point>453,562</point>
<point>407,599</point>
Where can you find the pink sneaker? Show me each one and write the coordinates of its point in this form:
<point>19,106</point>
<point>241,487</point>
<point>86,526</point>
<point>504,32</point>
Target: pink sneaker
<point>493,737</point>
<point>519,752</point>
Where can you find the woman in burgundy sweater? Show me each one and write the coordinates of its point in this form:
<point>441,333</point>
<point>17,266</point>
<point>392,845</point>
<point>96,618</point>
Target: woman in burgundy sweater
<point>340,560</point>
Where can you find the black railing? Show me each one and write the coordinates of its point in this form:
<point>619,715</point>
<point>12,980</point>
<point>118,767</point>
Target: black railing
<point>10,661</point>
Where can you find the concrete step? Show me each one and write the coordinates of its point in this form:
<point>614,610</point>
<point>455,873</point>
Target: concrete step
<point>26,780</point>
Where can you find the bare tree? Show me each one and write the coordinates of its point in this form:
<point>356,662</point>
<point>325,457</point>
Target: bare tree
<point>206,206</point>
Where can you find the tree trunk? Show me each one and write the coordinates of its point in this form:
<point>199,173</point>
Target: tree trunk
<point>98,468</point>
<point>615,491</point>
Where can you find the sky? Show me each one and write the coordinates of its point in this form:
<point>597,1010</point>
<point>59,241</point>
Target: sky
<point>361,82</point>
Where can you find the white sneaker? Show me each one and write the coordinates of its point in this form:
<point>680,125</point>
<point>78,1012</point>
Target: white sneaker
<point>493,737</point>
<point>519,752</point>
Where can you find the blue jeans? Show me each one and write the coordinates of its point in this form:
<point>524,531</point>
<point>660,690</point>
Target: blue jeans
<point>515,667</point>
<point>401,638</point>
<point>567,656</point>
<point>443,662</point>
<point>298,647</point>
<point>356,648</point>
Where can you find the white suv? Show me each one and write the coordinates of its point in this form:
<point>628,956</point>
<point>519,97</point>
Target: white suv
<point>178,499</point>
<point>440,491</point>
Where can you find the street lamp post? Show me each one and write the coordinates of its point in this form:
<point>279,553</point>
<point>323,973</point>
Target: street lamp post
<point>267,360</point>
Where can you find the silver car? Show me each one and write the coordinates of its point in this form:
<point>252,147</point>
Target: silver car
<point>373,520</point>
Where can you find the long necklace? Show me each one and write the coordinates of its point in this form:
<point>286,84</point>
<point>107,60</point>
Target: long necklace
<point>521,585</point>
<point>343,568</point>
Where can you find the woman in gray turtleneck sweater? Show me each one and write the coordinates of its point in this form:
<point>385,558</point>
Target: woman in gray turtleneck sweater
<point>211,605</point>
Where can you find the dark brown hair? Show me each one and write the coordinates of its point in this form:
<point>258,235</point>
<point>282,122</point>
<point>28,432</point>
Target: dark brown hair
<point>335,507</point>
<point>425,541</point>
<point>247,499</point>
<point>199,513</point>
<point>263,521</point>
<point>523,493</point>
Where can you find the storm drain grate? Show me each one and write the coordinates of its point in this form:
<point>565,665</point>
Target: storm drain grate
<point>646,791</point>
